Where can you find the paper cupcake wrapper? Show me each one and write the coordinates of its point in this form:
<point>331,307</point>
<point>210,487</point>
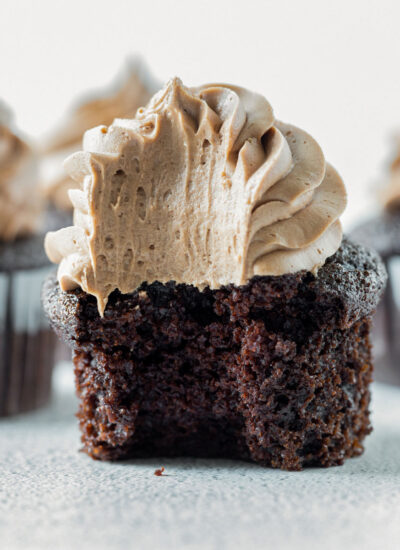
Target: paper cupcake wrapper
<point>27,344</point>
<point>386,328</point>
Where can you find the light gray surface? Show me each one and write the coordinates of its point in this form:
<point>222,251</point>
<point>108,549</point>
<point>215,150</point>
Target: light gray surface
<point>53,497</point>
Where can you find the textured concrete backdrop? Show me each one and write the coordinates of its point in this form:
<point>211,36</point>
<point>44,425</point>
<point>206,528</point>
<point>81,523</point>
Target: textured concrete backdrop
<point>53,497</point>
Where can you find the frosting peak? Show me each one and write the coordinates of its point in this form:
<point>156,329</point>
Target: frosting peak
<point>202,187</point>
<point>20,203</point>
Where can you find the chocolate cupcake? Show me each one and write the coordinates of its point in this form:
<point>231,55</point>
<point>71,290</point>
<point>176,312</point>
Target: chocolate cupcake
<point>382,232</point>
<point>132,89</point>
<point>26,341</point>
<point>211,304</point>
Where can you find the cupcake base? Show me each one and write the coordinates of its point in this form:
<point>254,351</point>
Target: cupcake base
<point>276,371</point>
<point>25,379</point>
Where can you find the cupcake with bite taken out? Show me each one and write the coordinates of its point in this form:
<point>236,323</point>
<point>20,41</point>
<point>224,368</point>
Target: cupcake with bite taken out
<point>382,232</point>
<point>26,341</point>
<point>211,303</point>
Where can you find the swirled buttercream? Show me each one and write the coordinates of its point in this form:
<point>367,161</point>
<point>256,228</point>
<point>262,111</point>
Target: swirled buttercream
<point>20,199</point>
<point>202,187</point>
<point>132,89</point>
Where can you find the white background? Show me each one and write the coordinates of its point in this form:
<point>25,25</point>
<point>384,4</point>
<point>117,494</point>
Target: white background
<point>330,67</point>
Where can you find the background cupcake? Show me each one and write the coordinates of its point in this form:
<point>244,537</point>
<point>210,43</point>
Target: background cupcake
<point>131,90</point>
<point>382,232</point>
<point>26,342</point>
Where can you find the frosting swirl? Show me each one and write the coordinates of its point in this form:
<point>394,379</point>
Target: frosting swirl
<point>132,89</point>
<point>202,187</point>
<point>20,203</point>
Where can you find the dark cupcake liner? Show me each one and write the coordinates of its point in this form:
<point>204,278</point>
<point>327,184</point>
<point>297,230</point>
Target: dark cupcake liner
<point>383,234</point>
<point>386,330</point>
<point>27,345</point>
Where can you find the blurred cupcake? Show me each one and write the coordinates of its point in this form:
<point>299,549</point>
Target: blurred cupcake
<point>383,233</point>
<point>132,89</point>
<point>26,343</point>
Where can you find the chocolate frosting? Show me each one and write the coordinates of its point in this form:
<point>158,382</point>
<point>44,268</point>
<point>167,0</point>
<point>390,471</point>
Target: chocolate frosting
<point>202,187</point>
<point>20,200</point>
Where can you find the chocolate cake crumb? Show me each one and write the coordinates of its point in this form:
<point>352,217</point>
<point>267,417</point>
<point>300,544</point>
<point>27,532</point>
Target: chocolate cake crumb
<point>276,371</point>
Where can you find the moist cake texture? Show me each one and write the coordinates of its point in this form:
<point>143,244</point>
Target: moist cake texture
<point>276,371</point>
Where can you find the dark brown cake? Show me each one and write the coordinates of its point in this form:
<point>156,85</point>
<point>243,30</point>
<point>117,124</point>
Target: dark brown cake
<point>276,371</point>
<point>26,341</point>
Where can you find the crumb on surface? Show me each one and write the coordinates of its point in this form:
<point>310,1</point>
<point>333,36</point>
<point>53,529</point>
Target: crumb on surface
<point>159,472</point>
